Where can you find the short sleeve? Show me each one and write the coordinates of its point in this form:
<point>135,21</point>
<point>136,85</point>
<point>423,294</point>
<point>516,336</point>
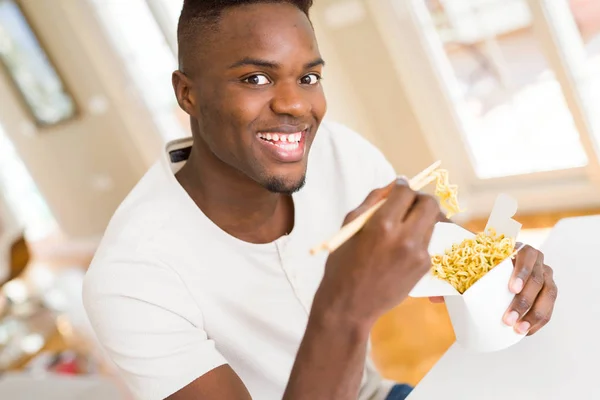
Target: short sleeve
<point>150,327</point>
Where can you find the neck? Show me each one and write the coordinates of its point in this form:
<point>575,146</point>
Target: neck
<point>234,202</point>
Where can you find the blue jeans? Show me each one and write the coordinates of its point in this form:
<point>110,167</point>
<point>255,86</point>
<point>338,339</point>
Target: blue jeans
<point>399,392</point>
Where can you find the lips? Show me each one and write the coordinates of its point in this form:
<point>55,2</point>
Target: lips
<point>286,147</point>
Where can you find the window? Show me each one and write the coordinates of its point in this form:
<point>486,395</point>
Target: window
<point>21,193</point>
<point>148,57</point>
<point>507,92</point>
<point>166,13</point>
<point>579,25</point>
<point>31,71</point>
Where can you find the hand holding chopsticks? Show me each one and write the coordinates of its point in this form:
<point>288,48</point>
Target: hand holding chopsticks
<point>418,182</point>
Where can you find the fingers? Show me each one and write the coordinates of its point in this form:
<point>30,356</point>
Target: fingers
<point>541,312</point>
<point>437,299</point>
<point>526,261</point>
<point>397,206</point>
<point>527,297</point>
<point>423,216</point>
<point>373,198</point>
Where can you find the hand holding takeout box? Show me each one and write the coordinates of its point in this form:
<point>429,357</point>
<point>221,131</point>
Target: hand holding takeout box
<point>476,314</point>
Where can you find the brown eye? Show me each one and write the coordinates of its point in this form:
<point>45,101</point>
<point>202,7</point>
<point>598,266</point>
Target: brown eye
<point>257,80</point>
<point>310,79</point>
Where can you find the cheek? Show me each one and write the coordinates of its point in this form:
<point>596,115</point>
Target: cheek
<point>231,119</point>
<point>319,104</point>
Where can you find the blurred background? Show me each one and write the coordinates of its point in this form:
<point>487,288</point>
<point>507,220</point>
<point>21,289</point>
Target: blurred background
<point>505,92</point>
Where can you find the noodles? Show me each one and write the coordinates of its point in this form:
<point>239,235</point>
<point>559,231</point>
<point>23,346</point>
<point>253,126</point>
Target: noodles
<point>446,192</point>
<point>465,263</point>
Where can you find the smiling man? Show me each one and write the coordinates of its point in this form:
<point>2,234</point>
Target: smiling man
<point>203,286</point>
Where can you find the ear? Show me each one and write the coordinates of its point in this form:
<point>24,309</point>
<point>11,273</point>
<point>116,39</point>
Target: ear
<point>184,93</point>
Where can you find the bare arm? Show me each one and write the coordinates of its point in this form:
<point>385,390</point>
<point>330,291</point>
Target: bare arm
<point>328,365</point>
<point>331,358</point>
<point>220,383</point>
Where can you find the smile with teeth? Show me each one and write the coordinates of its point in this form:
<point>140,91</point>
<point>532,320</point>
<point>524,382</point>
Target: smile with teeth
<point>285,141</point>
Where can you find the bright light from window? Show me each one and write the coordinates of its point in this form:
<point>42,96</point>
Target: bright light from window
<point>147,56</point>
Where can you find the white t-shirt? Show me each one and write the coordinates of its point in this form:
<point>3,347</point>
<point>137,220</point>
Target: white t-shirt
<point>171,296</point>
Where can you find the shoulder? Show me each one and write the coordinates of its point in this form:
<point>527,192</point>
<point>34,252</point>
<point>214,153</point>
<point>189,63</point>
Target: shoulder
<point>341,136</point>
<point>132,259</point>
<point>351,156</point>
<point>147,219</point>
<point>146,319</point>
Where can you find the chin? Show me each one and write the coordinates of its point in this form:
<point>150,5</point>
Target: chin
<point>284,185</point>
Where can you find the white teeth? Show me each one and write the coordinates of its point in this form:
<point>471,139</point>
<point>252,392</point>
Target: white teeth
<point>283,138</point>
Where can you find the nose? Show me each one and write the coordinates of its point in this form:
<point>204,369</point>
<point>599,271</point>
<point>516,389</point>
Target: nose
<point>290,99</point>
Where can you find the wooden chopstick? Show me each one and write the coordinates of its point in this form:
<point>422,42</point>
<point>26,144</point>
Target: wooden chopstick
<point>418,182</point>
<point>423,174</point>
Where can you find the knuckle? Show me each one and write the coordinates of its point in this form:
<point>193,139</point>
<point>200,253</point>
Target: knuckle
<point>540,318</point>
<point>430,203</point>
<point>423,260</point>
<point>409,244</point>
<point>553,292</point>
<point>525,271</point>
<point>522,304</point>
<point>548,271</point>
<point>385,226</point>
<point>537,278</point>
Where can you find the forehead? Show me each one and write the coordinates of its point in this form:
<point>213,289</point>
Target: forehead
<point>276,32</point>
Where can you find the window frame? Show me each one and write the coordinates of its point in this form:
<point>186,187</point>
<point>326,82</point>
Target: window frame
<point>409,33</point>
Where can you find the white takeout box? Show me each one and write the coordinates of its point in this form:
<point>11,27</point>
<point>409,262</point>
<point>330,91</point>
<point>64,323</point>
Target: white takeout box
<point>477,314</point>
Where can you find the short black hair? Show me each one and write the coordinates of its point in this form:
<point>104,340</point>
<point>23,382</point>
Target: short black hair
<point>200,15</point>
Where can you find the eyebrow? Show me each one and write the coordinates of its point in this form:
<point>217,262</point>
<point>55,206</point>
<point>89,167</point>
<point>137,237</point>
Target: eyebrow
<point>256,62</point>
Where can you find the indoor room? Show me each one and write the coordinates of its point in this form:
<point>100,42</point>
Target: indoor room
<point>502,95</point>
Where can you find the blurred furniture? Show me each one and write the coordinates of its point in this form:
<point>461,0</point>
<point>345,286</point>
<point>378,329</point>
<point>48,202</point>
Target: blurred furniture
<point>56,387</point>
<point>560,361</point>
<point>14,252</point>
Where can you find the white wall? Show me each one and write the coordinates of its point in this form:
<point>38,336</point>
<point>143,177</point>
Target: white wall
<point>363,89</point>
<point>85,167</point>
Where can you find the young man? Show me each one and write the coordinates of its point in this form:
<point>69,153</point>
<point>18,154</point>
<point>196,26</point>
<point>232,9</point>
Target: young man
<point>203,286</point>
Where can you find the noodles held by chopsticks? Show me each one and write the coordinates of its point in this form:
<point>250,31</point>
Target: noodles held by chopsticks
<point>465,263</point>
<point>446,192</point>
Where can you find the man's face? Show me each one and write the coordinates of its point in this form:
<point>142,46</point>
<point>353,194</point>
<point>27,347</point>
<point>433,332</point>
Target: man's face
<point>256,93</point>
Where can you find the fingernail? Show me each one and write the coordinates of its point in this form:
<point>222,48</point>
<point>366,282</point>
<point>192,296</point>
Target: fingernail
<point>402,180</point>
<point>511,318</point>
<point>523,327</point>
<point>517,286</point>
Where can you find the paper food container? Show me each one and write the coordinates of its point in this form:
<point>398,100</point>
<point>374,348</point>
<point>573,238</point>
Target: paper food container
<point>477,314</point>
